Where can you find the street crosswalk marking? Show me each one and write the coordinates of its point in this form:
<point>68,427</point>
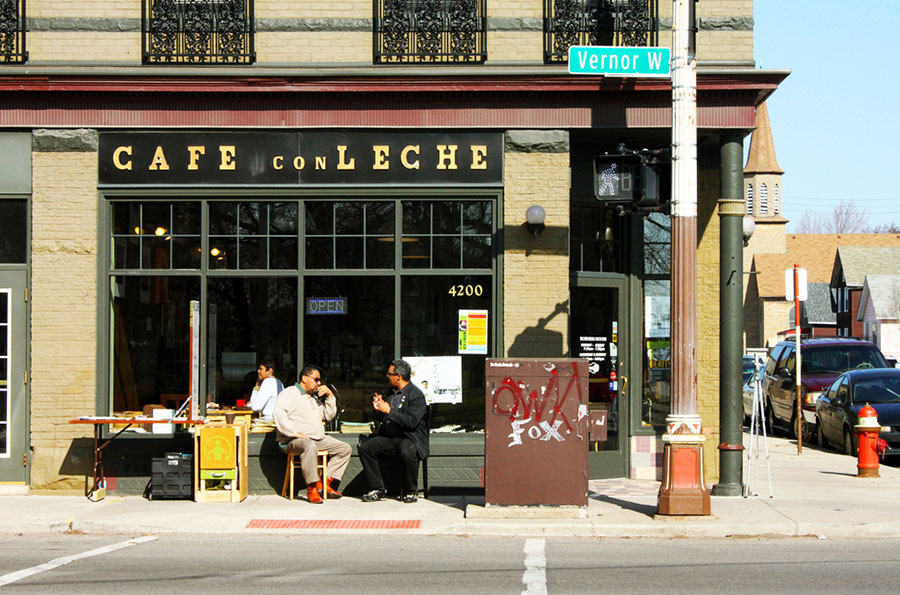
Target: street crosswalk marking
<point>535,577</point>
<point>56,563</point>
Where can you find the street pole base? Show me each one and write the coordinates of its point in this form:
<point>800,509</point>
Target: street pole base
<point>727,489</point>
<point>683,491</point>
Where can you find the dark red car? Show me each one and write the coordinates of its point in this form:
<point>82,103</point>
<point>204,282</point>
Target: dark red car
<point>821,362</point>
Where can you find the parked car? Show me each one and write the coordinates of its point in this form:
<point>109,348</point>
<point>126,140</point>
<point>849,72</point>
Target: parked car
<point>837,409</point>
<point>749,377</point>
<point>822,361</point>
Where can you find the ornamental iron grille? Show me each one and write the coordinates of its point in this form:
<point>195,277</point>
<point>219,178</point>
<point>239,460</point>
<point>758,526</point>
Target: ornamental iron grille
<point>598,22</point>
<point>12,32</point>
<point>429,31</point>
<point>198,31</point>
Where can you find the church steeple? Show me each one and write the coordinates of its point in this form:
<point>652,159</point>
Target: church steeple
<point>762,175</point>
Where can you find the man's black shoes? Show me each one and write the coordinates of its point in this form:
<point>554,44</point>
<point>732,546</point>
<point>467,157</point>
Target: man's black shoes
<point>410,498</point>
<point>374,496</point>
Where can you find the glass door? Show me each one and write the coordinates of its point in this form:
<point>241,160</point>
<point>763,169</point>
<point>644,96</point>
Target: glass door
<point>13,407</point>
<point>598,334</point>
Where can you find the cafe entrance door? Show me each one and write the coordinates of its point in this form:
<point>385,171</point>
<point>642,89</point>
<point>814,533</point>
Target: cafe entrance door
<point>599,333</point>
<point>13,399</point>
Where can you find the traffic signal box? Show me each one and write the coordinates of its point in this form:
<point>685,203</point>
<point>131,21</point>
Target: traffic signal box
<point>635,182</point>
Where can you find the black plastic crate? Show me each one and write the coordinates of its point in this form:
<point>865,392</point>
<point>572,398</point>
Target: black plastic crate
<point>172,477</point>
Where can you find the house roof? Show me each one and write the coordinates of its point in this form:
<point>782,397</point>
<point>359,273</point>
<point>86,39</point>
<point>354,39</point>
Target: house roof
<point>884,291</point>
<point>855,262</point>
<point>761,157</point>
<point>814,252</point>
<point>817,309</point>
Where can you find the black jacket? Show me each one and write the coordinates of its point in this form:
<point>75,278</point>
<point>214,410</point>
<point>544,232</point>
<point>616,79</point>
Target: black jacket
<point>410,416</point>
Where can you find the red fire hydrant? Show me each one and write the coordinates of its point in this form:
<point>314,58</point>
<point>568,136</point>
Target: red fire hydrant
<point>867,430</point>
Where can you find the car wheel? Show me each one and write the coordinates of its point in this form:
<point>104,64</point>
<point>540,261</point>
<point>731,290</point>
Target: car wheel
<point>849,443</point>
<point>770,418</point>
<point>820,435</point>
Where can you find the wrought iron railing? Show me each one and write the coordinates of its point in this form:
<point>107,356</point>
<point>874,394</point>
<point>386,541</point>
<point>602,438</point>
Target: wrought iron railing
<point>198,31</point>
<point>429,31</point>
<point>12,32</point>
<point>598,22</point>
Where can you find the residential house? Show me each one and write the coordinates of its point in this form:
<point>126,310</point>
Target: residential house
<point>852,263</point>
<point>879,312</point>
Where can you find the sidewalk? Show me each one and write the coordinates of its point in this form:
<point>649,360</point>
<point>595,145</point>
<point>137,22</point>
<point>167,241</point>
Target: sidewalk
<point>816,493</point>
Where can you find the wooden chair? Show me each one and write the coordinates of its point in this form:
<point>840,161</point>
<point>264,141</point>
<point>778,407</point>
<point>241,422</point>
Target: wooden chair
<point>287,489</point>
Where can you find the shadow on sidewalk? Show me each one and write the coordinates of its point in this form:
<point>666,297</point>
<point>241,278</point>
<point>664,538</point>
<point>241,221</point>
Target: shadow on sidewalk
<point>645,509</point>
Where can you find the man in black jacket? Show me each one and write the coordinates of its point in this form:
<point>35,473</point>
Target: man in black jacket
<point>403,434</point>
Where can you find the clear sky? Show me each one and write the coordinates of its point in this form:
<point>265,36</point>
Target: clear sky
<point>836,118</point>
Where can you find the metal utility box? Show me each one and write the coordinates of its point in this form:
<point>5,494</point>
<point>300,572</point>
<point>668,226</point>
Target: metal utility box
<point>171,476</point>
<point>536,432</point>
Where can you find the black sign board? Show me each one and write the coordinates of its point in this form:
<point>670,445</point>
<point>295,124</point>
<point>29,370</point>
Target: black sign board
<point>315,158</point>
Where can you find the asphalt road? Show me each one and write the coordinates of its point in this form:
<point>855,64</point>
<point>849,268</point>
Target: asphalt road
<point>379,563</point>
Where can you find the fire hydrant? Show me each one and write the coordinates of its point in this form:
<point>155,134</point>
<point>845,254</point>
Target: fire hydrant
<point>867,430</point>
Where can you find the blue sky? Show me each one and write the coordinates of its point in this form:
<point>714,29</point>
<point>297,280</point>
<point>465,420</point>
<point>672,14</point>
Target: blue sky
<point>836,133</point>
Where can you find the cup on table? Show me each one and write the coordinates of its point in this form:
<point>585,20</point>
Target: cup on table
<point>241,403</point>
<point>229,418</point>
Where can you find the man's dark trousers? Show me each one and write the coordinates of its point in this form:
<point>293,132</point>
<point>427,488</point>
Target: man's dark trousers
<point>401,447</point>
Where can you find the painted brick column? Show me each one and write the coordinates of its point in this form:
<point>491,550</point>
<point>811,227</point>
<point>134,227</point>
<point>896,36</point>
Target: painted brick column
<point>63,304</point>
<point>536,269</point>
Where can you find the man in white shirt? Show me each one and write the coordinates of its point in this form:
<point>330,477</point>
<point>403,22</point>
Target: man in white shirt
<point>266,390</point>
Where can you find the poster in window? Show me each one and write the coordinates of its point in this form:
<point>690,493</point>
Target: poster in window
<point>473,331</point>
<point>440,378</point>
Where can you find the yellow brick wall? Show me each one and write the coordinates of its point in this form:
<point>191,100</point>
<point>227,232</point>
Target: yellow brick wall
<point>90,46</point>
<point>536,270</point>
<point>708,233</point>
<point>314,47</point>
<point>111,9</point>
<point>314,9</point>
<point>515,46</point>
<point>533,9</point>
<point>63,311</point>
<point>776,315</point>
<point>725,45</point>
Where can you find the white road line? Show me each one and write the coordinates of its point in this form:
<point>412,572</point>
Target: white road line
<point>20,574</point>
<point>535,577</point>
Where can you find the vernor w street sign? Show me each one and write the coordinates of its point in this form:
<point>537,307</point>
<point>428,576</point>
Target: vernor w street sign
<point>619,61</point>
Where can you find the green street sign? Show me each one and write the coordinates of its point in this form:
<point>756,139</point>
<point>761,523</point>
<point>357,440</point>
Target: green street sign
<point>619,61</point>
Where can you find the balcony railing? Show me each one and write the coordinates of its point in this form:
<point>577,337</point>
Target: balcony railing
<point>198,31</point>
<point>12,32</point>
<point>598,22</point>
<point>429,31</point>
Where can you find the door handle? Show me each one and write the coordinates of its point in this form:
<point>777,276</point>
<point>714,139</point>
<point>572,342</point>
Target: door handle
<point>624,385</point>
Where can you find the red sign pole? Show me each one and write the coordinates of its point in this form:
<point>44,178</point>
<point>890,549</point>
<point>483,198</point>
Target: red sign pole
<point>799,413</point>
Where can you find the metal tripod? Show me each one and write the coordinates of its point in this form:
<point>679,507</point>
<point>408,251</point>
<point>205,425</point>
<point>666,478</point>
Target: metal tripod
<point>757,421</point>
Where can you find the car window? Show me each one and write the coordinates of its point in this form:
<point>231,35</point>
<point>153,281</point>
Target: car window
<point>840,358</point>
<point>773,359</point>
<point>748,369</point>
<point>842,389</point>
<point>877,390</point>
<point>790,362</point>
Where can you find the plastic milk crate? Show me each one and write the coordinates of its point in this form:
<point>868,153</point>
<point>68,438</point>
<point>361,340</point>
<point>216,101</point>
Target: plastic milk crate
<point>172,476</point>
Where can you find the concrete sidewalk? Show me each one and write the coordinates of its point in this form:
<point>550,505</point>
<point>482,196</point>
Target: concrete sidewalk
<point>815,493</point>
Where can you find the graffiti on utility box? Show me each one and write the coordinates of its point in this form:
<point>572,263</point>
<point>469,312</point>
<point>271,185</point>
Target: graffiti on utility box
<point>536,413</point>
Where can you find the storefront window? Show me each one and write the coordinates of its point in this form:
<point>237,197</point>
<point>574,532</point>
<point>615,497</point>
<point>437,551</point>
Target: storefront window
<point>447,234</point>
<point>349,235</point>
<point>151,322</point>
<point>311,280</point>
<point>596,238</point>
<point>430,326</point>
<point>249,319</point>
<point>156,235</point>
<point>13,214</point>
<point>252,235</point>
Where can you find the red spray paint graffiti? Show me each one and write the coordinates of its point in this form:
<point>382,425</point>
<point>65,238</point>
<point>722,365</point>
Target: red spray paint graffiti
<point>510,399</point>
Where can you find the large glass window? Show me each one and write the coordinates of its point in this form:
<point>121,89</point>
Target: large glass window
<point>311,280</point>
<point>429,326</point>
<point>249,319</point>
<point>657,361</point>
<point>150,335</point>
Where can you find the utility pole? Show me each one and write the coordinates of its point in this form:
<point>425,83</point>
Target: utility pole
<point>683,490</point>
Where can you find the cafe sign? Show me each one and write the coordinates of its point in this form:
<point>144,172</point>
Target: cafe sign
<point>307,159</point>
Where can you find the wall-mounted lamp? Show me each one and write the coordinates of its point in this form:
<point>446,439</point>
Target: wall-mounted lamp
<point>534,219</point>
<point>749,226</point>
